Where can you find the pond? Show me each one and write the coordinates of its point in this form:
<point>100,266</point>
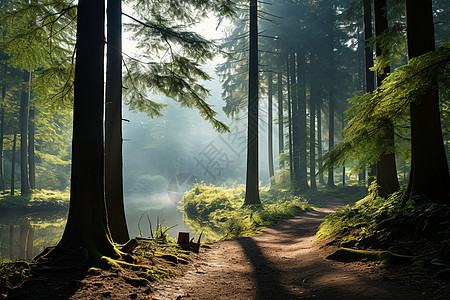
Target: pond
<point>28,235</point>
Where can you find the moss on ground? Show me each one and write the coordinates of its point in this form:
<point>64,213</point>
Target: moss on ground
<point>218,211</point>
<point>38,200</point>
<point>386,258</point>
<point>413,228</point>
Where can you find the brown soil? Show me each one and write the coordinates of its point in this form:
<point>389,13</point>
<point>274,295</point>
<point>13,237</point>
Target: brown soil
<point>285,262</point>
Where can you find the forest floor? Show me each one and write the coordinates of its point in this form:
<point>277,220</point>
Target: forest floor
<point>284,262</point>
<point>287,262</point>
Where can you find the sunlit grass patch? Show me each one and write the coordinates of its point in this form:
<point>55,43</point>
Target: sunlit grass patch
<point>219,211</point>
<point>412,227</point>
<point>42,200</point>
<point>355,220</point>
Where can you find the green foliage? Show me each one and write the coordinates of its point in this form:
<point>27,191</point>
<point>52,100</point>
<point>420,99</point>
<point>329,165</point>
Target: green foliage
<point>52,142</point>
<point>386,258</point>
<point>42,200</point>
<point>363,136</point>
<point>379,223</point>
<point>12,274</point>
<point>40,36</point>
<point>349,194</point>
<point>171,56</point>
<point>361,215</point>
<point>219,211</point>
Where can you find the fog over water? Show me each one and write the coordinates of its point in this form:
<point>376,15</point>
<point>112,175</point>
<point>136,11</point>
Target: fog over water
<point>164,157</point>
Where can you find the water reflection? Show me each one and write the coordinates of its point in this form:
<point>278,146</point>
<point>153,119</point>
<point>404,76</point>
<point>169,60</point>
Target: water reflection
<point>142,207</point>
<point>24,237</point>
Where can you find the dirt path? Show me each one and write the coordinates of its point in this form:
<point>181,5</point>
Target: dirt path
<point>286,262</point>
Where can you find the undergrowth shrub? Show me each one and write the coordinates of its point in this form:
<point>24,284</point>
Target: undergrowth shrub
<point>219,211</point>
<point>360,216</point>
<point>43,200</point>
<point>375,222</point>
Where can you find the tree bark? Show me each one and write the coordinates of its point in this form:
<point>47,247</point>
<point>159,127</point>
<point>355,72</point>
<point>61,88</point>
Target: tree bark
<point>113,126</point>
<point>301,99</point>
<point>280,117</point>
<point>31,152</point>
<point>87,222</point>
<point>386,170</point>
<point>331,95</point>
<point>11,243</point>
<point>252,182</point>
<point>318,108</point>
<point>289,103</point>
<point>370,75</point>
<point>13,164</point>
<point>24,118</point>
<point>270,125</point>
<point>429,177</point>
<point>330,181</point>
<point>2,128</point>
<point>343,126</point>
<point>312,125</point>
<point>295,123</point>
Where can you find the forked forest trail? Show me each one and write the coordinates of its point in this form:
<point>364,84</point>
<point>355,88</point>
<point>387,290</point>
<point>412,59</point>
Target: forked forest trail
<point>286,262</point>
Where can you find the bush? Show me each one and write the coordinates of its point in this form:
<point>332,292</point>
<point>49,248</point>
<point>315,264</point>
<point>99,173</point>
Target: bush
<point>219,211</point>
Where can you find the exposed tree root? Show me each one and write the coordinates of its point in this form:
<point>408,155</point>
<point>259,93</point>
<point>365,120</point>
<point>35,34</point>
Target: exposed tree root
<point>386,258</point>
<point>143,274</point>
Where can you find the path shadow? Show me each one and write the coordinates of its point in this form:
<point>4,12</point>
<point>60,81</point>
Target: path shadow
<point>50,285</point>
<point>268,278</point>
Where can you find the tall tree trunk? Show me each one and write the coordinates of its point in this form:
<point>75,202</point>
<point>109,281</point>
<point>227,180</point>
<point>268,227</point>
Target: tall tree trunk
<point>295,122</point>
<point>252,184</point>
<point>301,98</point>
<point>2,128</point>
<point>2,245</point>
<point>331,95</point>
<point>362,84</point>
<point>13,164</point>
<point>386,168</point>
<point>270,126</point>
<point>343,126</point>
<point>289,103</point>
<point>23,117</point>
<point>330,181</point>
<point>429,177</point>
<point>370,75</point>
<point>87,222</point>
<point>11,243</point>
<point>312,126</point>
<point>318,107</point>
<point>113,126</point>
<point>280,117</point>
<point>31,152</point>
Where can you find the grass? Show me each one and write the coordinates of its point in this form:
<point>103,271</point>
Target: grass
<point>413,227</point>
<point>218,211</point>
<point>38,200</point>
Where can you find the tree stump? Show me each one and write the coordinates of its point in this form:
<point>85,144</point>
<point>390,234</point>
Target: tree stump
<point>183,238</point>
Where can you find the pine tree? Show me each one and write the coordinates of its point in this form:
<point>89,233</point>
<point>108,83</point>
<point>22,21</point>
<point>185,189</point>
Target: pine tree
<point>113,125</point>
<point>386,170</point>
<point>252,182</point>
<point>87,223</point>
<point>429,175</point>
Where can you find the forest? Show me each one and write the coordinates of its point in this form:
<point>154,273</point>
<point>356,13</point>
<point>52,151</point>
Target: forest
<point>224,149</point>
